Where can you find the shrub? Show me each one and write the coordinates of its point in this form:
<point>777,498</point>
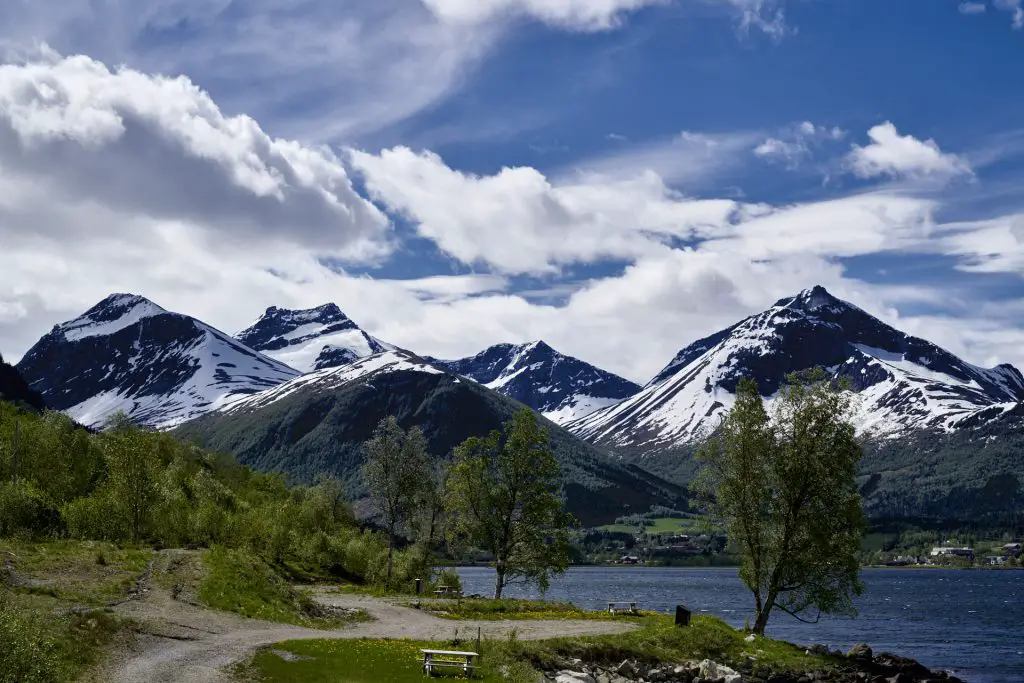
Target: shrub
<point>28,651</point>
<point>25,513</point>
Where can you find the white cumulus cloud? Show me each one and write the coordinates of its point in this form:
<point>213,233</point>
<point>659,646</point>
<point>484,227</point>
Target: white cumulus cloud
<point>895,155</point>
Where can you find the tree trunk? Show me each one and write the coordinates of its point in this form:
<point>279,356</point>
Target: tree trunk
<point>762,615</point>
<point>499,583</point>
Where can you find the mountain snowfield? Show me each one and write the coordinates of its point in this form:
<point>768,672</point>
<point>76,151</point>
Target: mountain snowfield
<point>560,387</point>
<point>903,383</point>
<point>364,369</point>
<point>161,368</point>
<point>310,340</point>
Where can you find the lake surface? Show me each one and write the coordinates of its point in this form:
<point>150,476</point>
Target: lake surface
<point>968,622</point>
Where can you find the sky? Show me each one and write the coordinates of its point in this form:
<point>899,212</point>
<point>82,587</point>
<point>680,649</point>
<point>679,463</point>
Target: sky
<point>615,177</point>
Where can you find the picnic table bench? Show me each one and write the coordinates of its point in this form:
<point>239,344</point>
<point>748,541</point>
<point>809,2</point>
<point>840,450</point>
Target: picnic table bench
<point>447,591</point>
<point>622,606</point>
<point>434,659</point>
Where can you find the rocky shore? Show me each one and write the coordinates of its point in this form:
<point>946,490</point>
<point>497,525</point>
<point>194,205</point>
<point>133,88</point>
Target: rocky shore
<point>859,665</point>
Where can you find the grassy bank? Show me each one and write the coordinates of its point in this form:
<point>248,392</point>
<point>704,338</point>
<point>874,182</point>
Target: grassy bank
<point>243,583</point>
<point>515,661</point>
<point>54,624</point>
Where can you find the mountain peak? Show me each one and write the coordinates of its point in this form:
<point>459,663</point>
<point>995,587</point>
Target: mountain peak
<point>114,313</point>
<point>310,339</point>
<point>811,300</point>
<point>560,387</point>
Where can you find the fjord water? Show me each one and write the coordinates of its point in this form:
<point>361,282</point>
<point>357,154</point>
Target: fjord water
<point>968,622</point>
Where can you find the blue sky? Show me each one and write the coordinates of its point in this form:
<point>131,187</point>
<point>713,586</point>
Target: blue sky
<point>618,177</point>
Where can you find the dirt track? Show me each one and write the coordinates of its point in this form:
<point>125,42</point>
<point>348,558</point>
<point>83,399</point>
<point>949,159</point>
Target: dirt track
<point>184,643</point>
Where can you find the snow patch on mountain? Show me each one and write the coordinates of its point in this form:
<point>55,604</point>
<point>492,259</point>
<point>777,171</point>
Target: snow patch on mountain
<point>560,387</point>
<point>311,340</point>
<point>161,368</point>
<point>903,383</point>
<point>118,312</point>
<point>328,379</point>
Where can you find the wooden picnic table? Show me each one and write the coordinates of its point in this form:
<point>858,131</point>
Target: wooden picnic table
<point>449,658</point>
<point>622,606</point>
<point>443,591</point>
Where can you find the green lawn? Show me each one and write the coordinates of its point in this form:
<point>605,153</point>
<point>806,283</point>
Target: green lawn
<point>345,661</point>
<point>369,661</point>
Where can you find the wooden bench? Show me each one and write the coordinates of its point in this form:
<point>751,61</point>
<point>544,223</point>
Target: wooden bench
<point>622,606</point>
<point>435,659</point>
<point>447,592</point>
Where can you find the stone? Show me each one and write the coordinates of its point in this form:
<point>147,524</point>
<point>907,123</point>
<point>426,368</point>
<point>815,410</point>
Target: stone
<point>861,653</point>
<point>751,638</point>
<point>901,678</point>
<point>717,672</point>
<point>627,669</point>
<point>573,677</point>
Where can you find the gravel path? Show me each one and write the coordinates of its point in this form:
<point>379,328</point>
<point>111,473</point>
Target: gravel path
<point>184,643</point>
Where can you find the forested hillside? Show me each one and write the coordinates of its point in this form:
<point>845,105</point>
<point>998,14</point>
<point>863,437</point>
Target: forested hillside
<point>128,485</point>
<point>320,426</point>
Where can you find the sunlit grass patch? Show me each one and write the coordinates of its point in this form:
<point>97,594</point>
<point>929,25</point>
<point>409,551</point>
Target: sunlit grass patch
<point>346,661</point>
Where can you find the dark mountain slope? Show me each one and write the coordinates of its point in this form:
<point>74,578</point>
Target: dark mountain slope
<point>318,423</point>
<point>14,389</point>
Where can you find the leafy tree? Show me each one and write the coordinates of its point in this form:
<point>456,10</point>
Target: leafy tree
<point>132,470</point>
<point>785,488</point>
<point>504,496</point>
<point>396,472</point>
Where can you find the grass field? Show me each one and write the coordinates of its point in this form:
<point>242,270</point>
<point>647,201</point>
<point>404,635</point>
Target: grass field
<point>40,639</point>
<point>344,661</point>
<point>665,525</point>
<point>658,640</point>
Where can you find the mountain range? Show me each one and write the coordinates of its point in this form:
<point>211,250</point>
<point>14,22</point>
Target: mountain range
<point>299,391</point>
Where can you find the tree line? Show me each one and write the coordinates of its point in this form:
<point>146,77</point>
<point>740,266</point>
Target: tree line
<point>500,493</point>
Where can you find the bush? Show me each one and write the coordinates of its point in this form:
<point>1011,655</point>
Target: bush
<point>28,650</point>
<point>25,513</point>
<point>95,518</point>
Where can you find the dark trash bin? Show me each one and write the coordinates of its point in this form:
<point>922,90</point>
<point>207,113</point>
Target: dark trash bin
<point>682,615</point>
<point>419,586</point>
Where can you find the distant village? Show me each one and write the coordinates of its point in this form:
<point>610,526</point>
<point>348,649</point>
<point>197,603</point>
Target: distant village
<point>1007,555</point>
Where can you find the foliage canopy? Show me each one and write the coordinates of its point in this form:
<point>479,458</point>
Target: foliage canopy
<point>785,488</point>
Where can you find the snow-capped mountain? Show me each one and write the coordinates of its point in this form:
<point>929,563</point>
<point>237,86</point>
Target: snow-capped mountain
<point>161,368</point>
<point>903,383</point>
<point>310,340</point>
<point>560,387</point>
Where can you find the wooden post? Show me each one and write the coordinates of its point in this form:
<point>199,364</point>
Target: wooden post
<point>17,434</point>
